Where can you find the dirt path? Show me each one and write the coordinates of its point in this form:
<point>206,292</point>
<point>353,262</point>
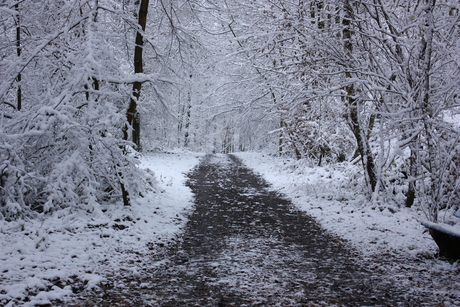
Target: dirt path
<point>247,246</point>
<point>244,245</point>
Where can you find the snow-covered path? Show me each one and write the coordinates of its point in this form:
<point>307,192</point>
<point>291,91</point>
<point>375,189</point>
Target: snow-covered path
<point>246,246</point>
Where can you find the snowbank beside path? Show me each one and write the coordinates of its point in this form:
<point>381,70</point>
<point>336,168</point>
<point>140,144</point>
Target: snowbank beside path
<point>334,198</point>
<point>391,237</point>
<point>60,255</point>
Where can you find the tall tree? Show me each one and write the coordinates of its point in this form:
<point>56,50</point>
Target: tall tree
<point>18,52</point>
<point>132,114</point>
<point>353,102</point>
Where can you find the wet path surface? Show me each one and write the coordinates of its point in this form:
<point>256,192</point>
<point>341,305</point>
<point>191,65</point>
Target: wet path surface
<point>245,245</point>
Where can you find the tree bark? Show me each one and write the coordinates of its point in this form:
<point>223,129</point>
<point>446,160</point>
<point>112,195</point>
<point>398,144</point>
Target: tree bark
<point>132,114</point>
<point>18,51</point>
<point>353,104</point>
<point>412,173</point>
<point>188,111</point>
<point>427,111</point>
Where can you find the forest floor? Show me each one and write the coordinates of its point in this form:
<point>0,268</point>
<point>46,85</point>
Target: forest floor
<point>240,243</point>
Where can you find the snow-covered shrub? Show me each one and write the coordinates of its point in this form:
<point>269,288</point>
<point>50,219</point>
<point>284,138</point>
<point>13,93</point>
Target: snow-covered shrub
<point>64,147</point>
<point>317,131</point>
<point>64,160</point>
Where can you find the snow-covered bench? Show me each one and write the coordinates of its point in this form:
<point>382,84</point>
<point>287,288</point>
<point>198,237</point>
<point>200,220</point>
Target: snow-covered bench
<point>447,238</point>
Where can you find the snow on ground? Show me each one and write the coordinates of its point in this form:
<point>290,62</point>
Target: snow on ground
<point>52,258</point>
<point>333,196</point>
<point>62,254</point>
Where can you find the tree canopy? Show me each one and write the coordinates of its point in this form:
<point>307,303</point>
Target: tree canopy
<point>87,83</point>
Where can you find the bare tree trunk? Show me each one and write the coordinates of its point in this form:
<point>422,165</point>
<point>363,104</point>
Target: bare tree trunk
<point>410,196</point>
<point>280,141</point>
<point>187,124</point>
<point>132,114</point>
<point>18,51</point>
<point>188,112</point>
<point>353,104</point>
<point>427,116</point>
